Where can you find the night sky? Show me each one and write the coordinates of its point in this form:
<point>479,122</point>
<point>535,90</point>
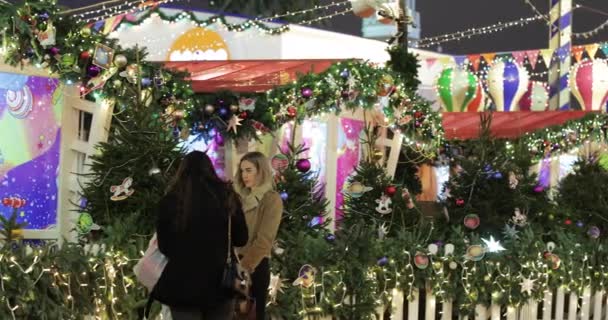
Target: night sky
<point>446,16</point>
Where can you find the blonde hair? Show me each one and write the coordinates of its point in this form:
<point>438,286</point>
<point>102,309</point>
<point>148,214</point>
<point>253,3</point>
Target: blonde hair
<point>262,165</point>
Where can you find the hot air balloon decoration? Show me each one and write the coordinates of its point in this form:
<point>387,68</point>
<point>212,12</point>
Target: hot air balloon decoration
<point>479,102</point>
<point>507,83</point>
<point>536,98</point>
<point>589,84</point>
<point>456,88</point>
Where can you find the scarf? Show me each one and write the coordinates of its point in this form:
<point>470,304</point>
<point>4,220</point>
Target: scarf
<point>252,197</point>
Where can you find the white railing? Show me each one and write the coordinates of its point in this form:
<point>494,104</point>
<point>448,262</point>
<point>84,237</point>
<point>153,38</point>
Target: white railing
<point>558,305</point>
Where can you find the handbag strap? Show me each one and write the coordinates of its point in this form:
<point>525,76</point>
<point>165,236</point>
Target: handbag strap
<point>228,255</point>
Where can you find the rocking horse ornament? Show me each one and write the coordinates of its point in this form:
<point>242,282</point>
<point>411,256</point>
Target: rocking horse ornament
<point>122,191</point>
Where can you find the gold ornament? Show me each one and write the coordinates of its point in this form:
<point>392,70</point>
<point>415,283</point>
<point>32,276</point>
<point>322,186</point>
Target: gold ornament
<point>85,32</point>
<point>209,109</point>
<point>234,108</point>
<point>120,60</point>
<point>117,83</point>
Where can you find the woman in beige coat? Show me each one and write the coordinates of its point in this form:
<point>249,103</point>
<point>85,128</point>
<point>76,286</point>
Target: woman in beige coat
<point>263,208</point>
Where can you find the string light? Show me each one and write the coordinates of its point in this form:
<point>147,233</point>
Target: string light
<point>528,2</point>
<point>118,12</point>
<point>430,41</point>
<point>591,33</point>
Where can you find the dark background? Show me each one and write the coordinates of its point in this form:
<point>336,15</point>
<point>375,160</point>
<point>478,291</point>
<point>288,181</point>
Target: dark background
<point>447,16</point>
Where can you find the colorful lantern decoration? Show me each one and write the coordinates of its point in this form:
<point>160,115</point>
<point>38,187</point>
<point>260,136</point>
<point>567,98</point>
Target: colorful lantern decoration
<point>479,102</point>
<point>589,84</point>
<point>456,88</point>
<point>536,98</point>
<point>507,83</point>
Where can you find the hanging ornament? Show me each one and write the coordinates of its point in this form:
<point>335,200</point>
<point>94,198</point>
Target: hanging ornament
<point>527,285</point>
<point>384,205</point>
<point>421,260</point>
<point>47,37</point>
<point>306,276</point>
<point>433,249</point>
<point>382,231</point>
<point>276,286</point>
<point>122,191</point>
<point>519,219</point>
<point>146,82</point>
<point>460,202</point>
<point>247,104</point>
<point>303,165</point>
<point>382,261</point>
<point>306,92</point>
<point>513,182</point>
<point>120,60</point>
<point>594,232</point>
<point>510,232</point>
<point>85,223</point>
<point>471,221</point>
<point>234,108</point>
<point>279,162</point>
<point>154,171</point>
<point>448,249</point>
<point>284,196</point>
<point>54,51</point>
<point>355,189</point>
<point>344,73</point>
<point>209,109</point>
<point>552,259</point>
<point>103,56</point>
<point>130,73</point>
<point>292,111</point>
<point>234,123</point>
<point>507,83</point>
<point>85,32</point>
<point>85,55</point>
<point>475,253</point>
<point>405,194</point>
<point>390,190</point>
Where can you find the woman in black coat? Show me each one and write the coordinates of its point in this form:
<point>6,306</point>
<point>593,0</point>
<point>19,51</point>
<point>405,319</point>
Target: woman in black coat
<point>192,231</point>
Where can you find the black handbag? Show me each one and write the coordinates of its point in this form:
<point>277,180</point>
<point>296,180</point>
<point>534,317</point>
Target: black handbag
<point>234,279</point>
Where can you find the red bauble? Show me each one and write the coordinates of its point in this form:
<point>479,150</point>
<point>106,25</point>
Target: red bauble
<point>292,111</point>
<point>85,55</point>
<point>390,191</point>
<point>243,115</point>
<point>568,222</point>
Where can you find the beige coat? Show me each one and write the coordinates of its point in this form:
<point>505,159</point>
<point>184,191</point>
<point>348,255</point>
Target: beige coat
<point>263,224</point>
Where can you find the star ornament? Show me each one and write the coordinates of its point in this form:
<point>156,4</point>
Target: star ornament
<point>234,122</point>
<point>527,285</point>
<point>493,245</point>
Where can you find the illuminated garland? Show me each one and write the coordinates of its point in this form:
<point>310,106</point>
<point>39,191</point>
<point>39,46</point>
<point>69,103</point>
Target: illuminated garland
<point>566,137</point>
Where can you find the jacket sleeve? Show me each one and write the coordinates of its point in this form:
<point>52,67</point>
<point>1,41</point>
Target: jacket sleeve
<point>165,233</point>
<point>239,229</point>
<point>271,211</point>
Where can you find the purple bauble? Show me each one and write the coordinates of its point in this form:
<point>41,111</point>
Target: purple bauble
<point>54,51</point>
<point>580,224</point>
<point>306,92</point>
<point>223,112</point>
<point>219,139</point>
<point>284,195</point>
<point>344,73</point>
<point>93,71</point>
<point>382,261</point>
<point>303,165</point>
<point>44,16</point>
<point>330,237</point>
<point>146,82</point>
<point>594,232</point>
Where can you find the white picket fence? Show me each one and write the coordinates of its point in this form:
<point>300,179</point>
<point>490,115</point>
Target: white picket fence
<point>559,305</point>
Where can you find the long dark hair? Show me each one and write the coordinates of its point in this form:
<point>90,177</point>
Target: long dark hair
<point>196,172</point>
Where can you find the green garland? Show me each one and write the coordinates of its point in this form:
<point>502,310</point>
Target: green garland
<point>568,136</point>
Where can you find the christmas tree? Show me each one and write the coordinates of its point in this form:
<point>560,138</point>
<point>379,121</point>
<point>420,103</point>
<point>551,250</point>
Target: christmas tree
<point>132,169</point>
<point>379,218</point>
<point>489,190</point>
<point>302,238</point>
<point>582,197</point>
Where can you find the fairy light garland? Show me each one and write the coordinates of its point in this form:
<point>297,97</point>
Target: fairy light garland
<point>430,41</point>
